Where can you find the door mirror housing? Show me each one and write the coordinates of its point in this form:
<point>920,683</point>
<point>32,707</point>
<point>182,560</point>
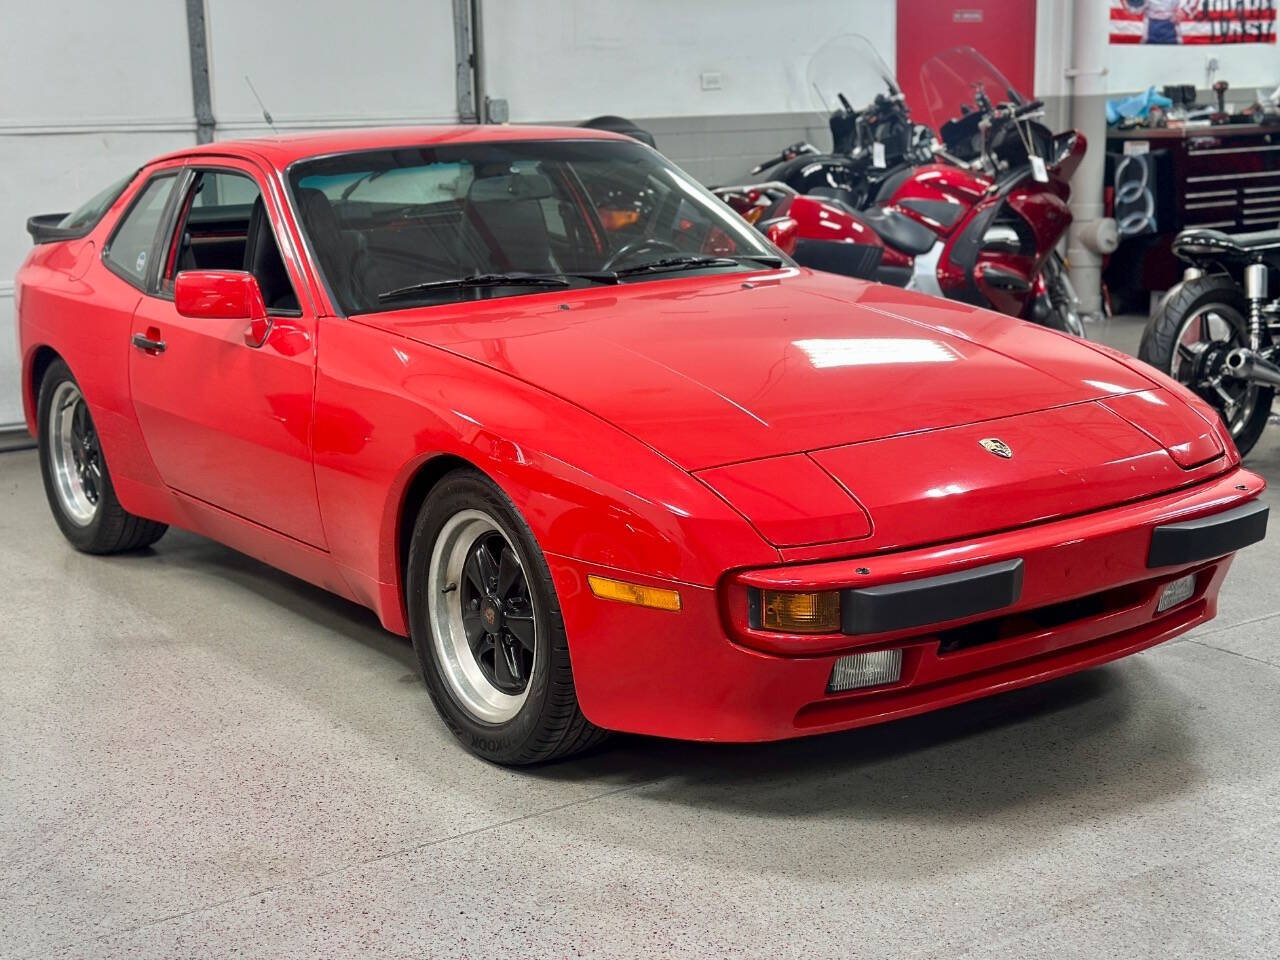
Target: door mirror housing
<point>224,295</point>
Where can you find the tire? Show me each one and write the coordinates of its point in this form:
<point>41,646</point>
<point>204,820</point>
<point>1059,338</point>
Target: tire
<point>85,509</point>
<point>1160,343</point>
<point>1064,310</point>
<point>540,723</point>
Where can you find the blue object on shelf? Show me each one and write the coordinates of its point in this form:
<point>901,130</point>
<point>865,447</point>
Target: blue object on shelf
<point>1137,105</point>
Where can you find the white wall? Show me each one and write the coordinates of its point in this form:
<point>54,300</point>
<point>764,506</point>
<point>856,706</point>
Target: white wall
<point>90,89</point>
<point>1244,65</point>
<point>331,63</point>
<point>574,59</point>
<point>87,92</point>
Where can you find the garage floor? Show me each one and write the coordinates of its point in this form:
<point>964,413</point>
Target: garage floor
<point>201,757</point>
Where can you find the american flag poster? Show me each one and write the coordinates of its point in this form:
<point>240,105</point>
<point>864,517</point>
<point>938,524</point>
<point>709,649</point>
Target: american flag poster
<point>1193,21</point>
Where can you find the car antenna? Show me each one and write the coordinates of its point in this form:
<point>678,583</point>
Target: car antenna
<point>266,115</point>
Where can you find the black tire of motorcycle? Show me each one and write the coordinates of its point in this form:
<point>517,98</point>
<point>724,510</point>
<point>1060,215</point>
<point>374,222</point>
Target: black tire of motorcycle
<point>1160,340</point>
<point>1057,317</point>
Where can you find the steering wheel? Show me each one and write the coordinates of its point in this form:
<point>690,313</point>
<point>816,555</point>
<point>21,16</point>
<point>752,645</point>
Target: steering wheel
<point>635,246</point>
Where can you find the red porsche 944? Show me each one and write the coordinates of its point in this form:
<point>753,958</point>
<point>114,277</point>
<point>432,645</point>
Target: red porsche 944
<point>607,456</point>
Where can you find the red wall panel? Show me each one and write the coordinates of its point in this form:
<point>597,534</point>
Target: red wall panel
<point>1003,31</point>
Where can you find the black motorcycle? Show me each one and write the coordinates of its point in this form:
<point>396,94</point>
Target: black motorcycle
<point>1216,331</point>
<point>872,149</point>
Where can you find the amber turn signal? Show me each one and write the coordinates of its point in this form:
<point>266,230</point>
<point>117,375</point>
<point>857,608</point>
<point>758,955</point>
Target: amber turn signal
<point>800,612</point>
<point>635,593</point>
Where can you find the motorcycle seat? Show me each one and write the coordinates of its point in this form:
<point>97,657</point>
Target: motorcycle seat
<point>900,231</point>
<point>1189,243</point>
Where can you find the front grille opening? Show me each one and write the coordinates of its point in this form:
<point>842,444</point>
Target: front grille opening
<point>1026,622</point>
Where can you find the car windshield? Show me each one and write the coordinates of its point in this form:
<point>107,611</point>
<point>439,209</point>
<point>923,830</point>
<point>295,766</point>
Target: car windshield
<point>439,224</point>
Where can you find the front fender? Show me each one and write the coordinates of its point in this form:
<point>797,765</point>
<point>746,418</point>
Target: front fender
<point>387,406</point>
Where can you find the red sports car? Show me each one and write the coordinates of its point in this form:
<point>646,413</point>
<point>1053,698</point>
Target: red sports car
<point>611,460</point>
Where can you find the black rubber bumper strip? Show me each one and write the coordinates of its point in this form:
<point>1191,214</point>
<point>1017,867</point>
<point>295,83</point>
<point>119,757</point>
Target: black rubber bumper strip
<point>914,603</point>
<point>1213,536</point>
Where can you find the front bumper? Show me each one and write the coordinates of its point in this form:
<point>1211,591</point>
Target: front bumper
<point>1086,594</point>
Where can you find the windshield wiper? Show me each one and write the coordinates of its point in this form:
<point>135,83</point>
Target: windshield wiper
<point>478,280</point>
<point>692,262</point>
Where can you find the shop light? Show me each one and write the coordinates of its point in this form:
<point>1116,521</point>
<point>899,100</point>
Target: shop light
<point>634,593</point>
<point>871,669</point>
<point>800,612</point>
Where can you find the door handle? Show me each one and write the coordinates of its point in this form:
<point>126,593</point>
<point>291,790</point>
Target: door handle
<point>149,344</point>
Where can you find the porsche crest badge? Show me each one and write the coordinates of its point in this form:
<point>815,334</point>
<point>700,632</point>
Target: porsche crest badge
<point>997,447</point>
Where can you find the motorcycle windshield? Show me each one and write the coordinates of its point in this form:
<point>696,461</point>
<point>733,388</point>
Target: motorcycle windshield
<point>848,66</point>
<point>962,81</point>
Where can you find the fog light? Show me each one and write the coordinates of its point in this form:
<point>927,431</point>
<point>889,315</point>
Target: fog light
<point>865,670</point>
<point>800,612</point>
<point>1176,592</point>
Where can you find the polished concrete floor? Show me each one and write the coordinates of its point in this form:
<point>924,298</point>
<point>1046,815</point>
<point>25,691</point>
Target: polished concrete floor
<point>201,757</point>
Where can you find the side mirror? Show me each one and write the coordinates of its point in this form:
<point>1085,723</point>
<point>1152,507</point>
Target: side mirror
<point>783,232</point>
<point>224,295</point>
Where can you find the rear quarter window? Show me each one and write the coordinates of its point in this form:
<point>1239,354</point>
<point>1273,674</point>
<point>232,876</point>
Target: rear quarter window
<point>130,248</point>
<point>86,216</point>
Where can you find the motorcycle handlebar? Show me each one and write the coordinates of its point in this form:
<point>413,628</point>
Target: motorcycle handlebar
<point>771,162</point>
<point>790,153</point>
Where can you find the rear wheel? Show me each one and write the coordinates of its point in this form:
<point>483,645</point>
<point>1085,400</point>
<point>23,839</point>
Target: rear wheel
<point>487,627</point>
<point>76,479</point>
<point>1196,326</point>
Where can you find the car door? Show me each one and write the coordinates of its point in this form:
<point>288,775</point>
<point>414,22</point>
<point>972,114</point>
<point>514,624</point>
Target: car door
<point>228,423</point>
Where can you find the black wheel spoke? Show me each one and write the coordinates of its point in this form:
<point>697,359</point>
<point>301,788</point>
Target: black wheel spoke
<point>474,573</point>
<point>485,563</point>
<point>505,670</point>
<point>77,427</point>
<point>473,627</point>
<point>520,625</point>
<point>515,656</point>
<point>509,574</point>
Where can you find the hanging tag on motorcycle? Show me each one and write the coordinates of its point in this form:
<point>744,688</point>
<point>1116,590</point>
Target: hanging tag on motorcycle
<point>1038,172</point>
<point>877,155</point>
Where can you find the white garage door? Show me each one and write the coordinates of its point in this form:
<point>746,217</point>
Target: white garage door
<point>92,90</point>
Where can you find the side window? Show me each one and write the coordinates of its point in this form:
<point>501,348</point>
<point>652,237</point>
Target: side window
<point>130,246</point>
<point>223,225</point>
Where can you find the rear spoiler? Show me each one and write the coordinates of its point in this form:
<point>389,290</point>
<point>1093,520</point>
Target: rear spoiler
<point>44,228</point>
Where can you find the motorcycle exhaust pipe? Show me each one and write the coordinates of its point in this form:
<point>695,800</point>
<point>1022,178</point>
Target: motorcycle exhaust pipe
<point>1247,365</point>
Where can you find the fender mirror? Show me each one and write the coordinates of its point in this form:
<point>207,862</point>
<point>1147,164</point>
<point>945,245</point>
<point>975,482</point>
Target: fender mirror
<point>224,295</point>
<point>783,232</point>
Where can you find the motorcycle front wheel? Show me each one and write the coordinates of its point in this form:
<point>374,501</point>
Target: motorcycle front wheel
<point>1063,311</point>
<point>1195,327</point>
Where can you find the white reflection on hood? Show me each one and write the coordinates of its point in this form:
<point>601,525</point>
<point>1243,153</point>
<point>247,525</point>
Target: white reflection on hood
<point>875,351</point>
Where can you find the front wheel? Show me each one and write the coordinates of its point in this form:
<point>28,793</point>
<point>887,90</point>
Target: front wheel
<point>487,629</point>
<point>1063,307</point>
<point>1196,326</point>
<point>76,479</point>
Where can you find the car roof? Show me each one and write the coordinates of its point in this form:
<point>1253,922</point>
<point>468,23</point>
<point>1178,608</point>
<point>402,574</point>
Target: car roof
<point>282,150</point>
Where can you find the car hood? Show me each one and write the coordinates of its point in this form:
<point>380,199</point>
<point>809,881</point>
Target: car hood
<point>716,370</point>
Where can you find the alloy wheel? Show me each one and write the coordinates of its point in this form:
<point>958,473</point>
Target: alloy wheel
<point>483,616</point>
<point>75,455</point>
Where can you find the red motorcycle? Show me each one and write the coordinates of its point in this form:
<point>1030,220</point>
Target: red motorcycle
<point>981,227</point>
